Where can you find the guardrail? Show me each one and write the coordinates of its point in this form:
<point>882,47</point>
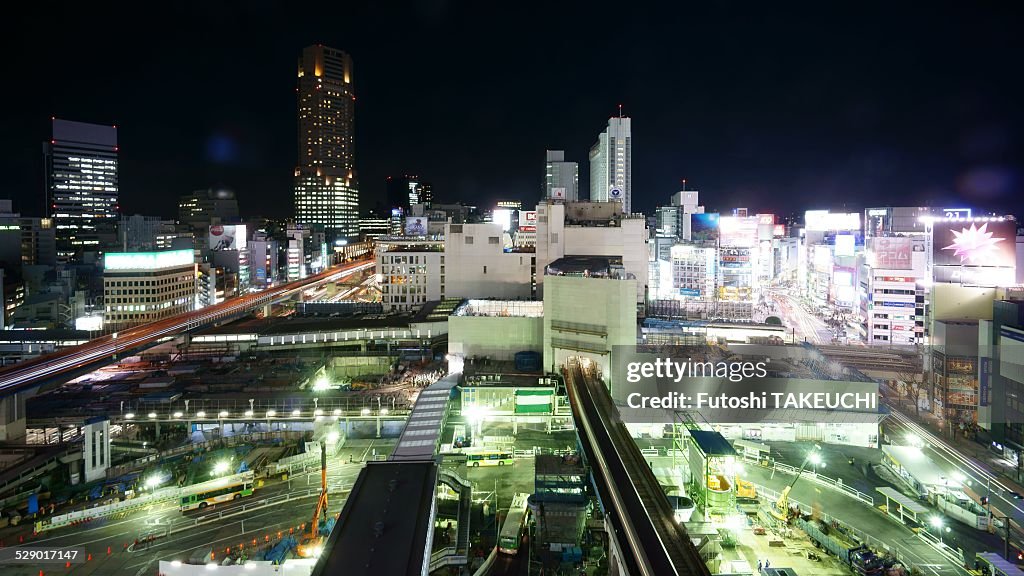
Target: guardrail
<point>447,556</point>
<point>822,479</point>
<point>861,536</point>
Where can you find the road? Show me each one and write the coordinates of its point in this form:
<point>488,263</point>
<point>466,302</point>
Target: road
<point>844,508</point>
<point>24,374</point>
<point>806,326</point>
<point>261,523</point>
<point>977,479</point>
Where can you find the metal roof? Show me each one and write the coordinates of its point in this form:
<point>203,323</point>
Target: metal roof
<point>902,499</point>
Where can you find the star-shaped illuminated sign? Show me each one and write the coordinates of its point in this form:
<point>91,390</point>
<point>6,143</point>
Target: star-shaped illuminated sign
<point>973,244</point>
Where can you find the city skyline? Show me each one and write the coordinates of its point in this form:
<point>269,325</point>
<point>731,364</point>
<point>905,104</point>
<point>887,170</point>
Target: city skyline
<point>821,124</point>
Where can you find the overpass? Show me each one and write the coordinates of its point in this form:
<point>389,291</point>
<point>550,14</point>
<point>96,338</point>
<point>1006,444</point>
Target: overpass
<point>647,540</point>
<point>31,374</point>
<point>21,379</point>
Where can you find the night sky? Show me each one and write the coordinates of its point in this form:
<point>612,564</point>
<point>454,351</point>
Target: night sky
<point>769,105</point>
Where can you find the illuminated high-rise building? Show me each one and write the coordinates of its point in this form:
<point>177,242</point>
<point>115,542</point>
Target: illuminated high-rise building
<point>611,166</point>
<point>81,182</point>
<point>561,178</point>
<point>326,189</point>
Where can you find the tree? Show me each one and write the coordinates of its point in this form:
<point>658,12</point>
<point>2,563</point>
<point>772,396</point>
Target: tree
<point>911,385</point>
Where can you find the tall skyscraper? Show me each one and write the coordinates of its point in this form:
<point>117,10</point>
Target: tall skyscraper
<point>326,189</point>
<point>561,178</point>
<point>81,183</point>
<point>611,167</point>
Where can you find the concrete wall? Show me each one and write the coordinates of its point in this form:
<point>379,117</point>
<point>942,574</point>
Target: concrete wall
<point>482,269</point>
<point>956,302</point>
<point>497,337</point>
<point>587,317</point>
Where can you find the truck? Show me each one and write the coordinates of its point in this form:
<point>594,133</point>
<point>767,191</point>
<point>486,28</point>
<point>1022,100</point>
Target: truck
<point>861,559</point>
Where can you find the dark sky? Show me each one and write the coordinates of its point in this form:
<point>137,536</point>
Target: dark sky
<point>769,105</point>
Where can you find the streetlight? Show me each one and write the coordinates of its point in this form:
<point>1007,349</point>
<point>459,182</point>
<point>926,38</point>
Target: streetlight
<point>200,414</point>
<point>936,523</point>
<point>296,412</point>
<point>220,468</point>
<point>177,414</point>
<point>815,459</point>
<point>129,416</point>
<point>365,412</point>
<point>152,415</point>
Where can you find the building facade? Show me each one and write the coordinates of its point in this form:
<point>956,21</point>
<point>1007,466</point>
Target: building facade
<point>611,168</point>
<point>82,184</point>
<point>326,189</point>
<point>141,287</point>
<point>561,178</point>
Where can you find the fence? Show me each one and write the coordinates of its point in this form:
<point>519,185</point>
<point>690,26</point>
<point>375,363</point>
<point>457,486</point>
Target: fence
<point>875,544</point>
<point>822,479</point>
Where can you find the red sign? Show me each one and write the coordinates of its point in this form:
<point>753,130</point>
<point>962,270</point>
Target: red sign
<point>216,230</point>
<point>892,253</point>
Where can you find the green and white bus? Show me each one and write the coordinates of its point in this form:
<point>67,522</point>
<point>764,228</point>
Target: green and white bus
<point>489,458</point>
<point>512,528</point>
<point>216,491</point>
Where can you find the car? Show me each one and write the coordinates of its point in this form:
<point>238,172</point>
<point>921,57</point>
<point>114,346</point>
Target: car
<point>1014,495</point>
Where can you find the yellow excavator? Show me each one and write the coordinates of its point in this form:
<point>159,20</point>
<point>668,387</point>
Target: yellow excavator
<point>312,541</point>
<point>781,509</point>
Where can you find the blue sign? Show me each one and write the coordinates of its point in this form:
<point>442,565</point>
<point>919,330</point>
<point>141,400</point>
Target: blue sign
<point>33,503</point>
<point>984,378</point>
<point>615,193</point>
<point>689,292</point>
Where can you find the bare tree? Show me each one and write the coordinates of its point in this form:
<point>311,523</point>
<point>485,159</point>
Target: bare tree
<point>911,385</point>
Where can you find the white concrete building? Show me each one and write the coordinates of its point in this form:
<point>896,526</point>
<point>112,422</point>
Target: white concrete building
<point>593,229</point>
<point>891,290</point>
<point>140,287</point>
<point>410,274</point>
<point>611,167</point>
<point>587,310</point>
<point>479,266</point>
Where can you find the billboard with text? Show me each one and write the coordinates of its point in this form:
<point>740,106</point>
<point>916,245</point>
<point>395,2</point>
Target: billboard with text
<point>891,253</point>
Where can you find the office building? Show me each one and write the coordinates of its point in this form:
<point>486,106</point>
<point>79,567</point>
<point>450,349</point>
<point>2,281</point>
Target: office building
<point>593,229</point>
<point>25,241</point>
<point>561,178</point>
<point>373,226</point>
<point>611,166</point>
<point>141,287</point>
<point>326,189</point>
<point>1000,378</point>
<point>204,208</point>
<point>82,185</point>
<point>410,272</point>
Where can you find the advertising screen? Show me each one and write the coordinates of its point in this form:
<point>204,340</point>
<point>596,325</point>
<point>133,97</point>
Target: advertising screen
<point>738,230</point>
<point>528,220</point>
<point>416,226</point>
<point>704,227</point>
<point>502,216</point>
<point>227,237</point>
<point>558,193</point>
<point>891,253</point>
<point>824,221</point>
<point>975,243</point>
<point>845,244</point>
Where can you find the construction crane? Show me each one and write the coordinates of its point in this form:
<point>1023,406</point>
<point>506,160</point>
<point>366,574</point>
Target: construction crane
<point>781,509</point>
<point>312,542</point>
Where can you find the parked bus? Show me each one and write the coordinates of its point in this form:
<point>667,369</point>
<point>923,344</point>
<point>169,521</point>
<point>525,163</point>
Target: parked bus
<point>489,458</point>
<point>512,528</point>
<point>216,491</point>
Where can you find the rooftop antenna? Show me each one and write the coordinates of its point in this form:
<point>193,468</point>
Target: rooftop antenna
<point>620,110</point>
<point>684,184</point>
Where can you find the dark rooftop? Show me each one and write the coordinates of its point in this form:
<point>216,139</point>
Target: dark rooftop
<point>712,443</point>
<point>385,524</point>
<point>584,266</point>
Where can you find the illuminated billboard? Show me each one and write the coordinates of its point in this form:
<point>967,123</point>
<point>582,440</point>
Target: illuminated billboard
<point>502,216</point>
<point>558,193</point>
<point>416,225</point>
<point>825,221</point>
<point>738,230</point>
<point>846,244</point>
<point>891,253</point>
<point>704,227</point>
<point>989,243</point>
<point>227,237</point>
<point>147,260</point>
<point>528,220</point>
